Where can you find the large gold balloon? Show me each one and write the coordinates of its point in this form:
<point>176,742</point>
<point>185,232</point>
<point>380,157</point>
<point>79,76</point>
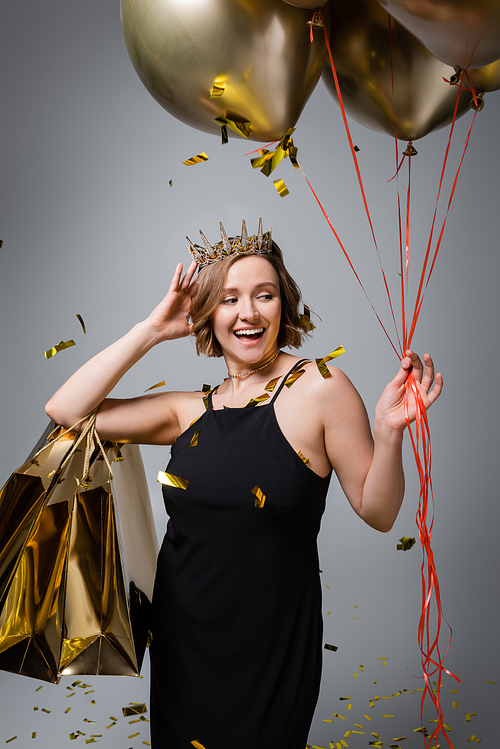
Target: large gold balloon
<point>465,33</point>
<point>361,49</point>
<point>246,61</point>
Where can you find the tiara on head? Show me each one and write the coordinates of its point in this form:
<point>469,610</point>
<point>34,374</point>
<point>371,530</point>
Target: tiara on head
<point>257,244</point>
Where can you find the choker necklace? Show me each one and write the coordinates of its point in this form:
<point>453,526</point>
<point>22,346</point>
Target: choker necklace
<point>253,371</point>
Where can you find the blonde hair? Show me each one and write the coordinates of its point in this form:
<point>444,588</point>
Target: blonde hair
<point>211,281</point>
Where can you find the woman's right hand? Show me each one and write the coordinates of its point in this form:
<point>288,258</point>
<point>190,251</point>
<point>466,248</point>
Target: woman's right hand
<point>170,318</point>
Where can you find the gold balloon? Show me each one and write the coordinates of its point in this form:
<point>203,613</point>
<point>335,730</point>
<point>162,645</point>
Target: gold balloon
<point>361,51</point>
<point>245,61</point>
<point>465,33</point>
<point>485,79</point>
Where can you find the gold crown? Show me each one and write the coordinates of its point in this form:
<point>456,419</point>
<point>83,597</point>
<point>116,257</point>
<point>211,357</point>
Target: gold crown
<point>256,244</point>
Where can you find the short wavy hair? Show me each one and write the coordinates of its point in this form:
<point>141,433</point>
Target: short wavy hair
<point>293,327</point>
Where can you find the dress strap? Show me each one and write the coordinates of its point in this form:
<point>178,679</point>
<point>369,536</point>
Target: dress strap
<point>207,400</point>
<point>287,376</point>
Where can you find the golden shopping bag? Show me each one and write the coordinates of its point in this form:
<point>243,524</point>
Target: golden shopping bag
<point>77,573</point>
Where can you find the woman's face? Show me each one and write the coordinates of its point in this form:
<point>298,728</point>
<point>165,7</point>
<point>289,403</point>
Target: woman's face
<point>247,321</point>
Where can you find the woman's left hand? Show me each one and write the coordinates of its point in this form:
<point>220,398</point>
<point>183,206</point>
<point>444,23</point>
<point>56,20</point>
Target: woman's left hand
<point>391,411</point>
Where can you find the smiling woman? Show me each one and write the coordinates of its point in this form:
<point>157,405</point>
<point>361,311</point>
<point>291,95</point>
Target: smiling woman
<point>236,614</point>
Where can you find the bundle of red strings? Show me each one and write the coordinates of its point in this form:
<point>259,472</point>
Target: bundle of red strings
<point>429,631</point>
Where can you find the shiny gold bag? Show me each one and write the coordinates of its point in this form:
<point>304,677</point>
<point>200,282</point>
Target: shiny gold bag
<point>77,559</point>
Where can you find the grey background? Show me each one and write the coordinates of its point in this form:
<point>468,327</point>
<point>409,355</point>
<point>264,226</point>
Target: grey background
<point>91,226</point>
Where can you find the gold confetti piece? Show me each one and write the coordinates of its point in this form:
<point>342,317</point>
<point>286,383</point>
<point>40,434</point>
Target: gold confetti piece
<point>134,708</point>
<point>468,717</point>
<point>136,720</point>
<point>358,725</point>
<point>271,385</point>
<point>448,728</point>
<point>12,739</point>
<point>331,647</point>
<point>354,676</point>
<point>90,691</point>
<point>306,318</point>
<point>171,183</point>
<point>44,710</point>
<point>355,607</point>
<point>371,703</point>
<point>170,480</point>
<point>400,738</point>
<point>367,717</point>
<point>133,735</point>
<point>260,498</point>
<point>361,668</point>
<point>282,189</point>
<point>347,734</point>
<point>194,439</point>
<point>387,716</point>
<point>112,717</point>
<point>355,617</point>
<point>38,688</point>
<point>86,720</point>
<point>382,659</point>
<point>488,682</point>
<point>197,744</point>
<point>80,320</point>
<point>58,347</point>
<point>343,743</point>
<point>336,715</point>
<point>454,704</point>
<point>255,401</point>
<point>111,725</point>
<point>397,694</point>
<point>376,698</point>
<point>406,543</point>
<point>294,377</point>
<point>67,710</point>
<point>328,613</point>
<point>217,91</point>
<point>303,457</point>
<point>327,720</point>
<point>345,698</point>
<point>76,683</point>
<point>196,159</point>
<point>33,735</point>
<point>92,702</point>
<point>377,736</point>
<point>158,385</point>
<point>361,733</point>
<point>241,127</point>
<point>348,706</point>
<point>386,698</point>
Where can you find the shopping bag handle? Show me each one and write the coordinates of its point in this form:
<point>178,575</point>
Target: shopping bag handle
<point>90,434</point>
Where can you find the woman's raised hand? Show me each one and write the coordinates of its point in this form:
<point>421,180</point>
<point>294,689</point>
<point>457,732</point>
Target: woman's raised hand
<point>391,410</point>
<point>170,318</point>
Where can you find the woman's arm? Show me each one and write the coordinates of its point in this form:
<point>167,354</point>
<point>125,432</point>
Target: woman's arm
<point>370,470</point>
<point>138,417</point>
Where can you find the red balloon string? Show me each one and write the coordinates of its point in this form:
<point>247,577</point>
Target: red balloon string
<point>432,657</point>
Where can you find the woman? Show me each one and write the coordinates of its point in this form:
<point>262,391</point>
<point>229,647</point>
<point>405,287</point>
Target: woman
<point>237,630</point>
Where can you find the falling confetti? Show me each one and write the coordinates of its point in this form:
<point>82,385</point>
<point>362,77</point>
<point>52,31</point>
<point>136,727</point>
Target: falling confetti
<point>196,159</point>
<point>58,347</point>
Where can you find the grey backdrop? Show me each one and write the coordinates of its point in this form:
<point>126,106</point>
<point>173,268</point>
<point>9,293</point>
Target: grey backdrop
<point>91,226</point>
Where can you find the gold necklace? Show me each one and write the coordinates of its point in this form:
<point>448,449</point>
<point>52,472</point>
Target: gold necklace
<point>253,371</point>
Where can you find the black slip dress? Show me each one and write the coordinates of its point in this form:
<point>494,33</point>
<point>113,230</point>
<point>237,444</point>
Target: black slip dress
<point>237,629</point>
